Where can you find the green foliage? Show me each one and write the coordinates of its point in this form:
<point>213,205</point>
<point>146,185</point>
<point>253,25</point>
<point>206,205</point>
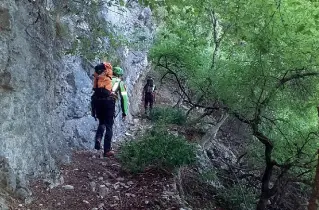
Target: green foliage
<point>61,30</point>
<point>157,149</point>
<point>258,58</point>
<point>168,115</point>
<point>238,196</point>
<point>209,175</point>
<point>97,37</point>
<point>96,34</point>
<point>182,42</point>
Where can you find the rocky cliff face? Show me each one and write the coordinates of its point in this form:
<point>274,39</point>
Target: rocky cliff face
<point>45,95</point>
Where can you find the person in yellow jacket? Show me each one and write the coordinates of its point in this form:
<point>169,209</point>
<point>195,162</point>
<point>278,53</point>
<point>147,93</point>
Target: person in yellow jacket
<point>104,110</point>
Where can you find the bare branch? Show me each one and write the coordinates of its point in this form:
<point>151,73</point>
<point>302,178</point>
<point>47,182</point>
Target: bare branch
<point>296,76</point>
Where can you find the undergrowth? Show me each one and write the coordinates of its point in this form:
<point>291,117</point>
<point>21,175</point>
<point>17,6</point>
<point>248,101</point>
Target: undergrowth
<point>168,115</point>
<point>157,149</point>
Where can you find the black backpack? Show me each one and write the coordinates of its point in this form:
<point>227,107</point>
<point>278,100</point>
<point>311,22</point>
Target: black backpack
<point>99,68</point>
<point>149,88</point>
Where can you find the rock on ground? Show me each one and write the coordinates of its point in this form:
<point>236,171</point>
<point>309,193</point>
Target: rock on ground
<point>117,190</point>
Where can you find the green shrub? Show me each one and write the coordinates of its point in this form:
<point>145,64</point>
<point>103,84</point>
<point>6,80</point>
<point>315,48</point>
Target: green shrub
<point>238,196</point>
<point>61,29</point>
<point>168,115</point>
<point>158,149</point>
<point>209,175</point>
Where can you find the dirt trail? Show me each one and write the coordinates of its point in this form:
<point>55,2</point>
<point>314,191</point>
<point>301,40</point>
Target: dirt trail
<point>91,182</point>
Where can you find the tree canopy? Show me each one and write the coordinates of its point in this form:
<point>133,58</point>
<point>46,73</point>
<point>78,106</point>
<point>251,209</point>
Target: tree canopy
<point>260,60</point>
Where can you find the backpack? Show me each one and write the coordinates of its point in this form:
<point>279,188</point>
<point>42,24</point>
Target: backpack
<point>102,83</point>
<point>150,86</point>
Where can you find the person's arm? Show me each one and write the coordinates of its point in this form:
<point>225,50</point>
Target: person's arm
<point>93,107</point>
<point>94,81</point>
<point>154,93</point>
<point>143,93</point>
<point>124,99</point>
<point>93,97</point>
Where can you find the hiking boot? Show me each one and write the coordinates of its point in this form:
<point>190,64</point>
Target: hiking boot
<point>97,145</point>
<point>108,154</point>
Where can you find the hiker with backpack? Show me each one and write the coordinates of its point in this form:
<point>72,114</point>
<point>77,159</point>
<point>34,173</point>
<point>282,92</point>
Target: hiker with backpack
<point>108,88</point>
<point>149,94</point>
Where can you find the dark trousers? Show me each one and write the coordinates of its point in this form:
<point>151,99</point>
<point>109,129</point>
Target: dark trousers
<point>105,110</point>
<point>148,100</point>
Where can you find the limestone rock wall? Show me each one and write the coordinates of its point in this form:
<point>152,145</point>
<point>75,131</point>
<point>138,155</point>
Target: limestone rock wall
<point>28,72</point>
<point>45,94</point>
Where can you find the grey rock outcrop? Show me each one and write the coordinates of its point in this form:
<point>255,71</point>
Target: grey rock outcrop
<point>45,95</point>
<point>27,96</point>
<point>3,205</point>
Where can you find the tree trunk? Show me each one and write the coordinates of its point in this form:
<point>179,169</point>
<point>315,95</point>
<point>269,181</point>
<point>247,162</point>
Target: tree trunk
<point>207,142</point>
<point>314,200</point>
<point>266,191</point>
<point>262,203</point>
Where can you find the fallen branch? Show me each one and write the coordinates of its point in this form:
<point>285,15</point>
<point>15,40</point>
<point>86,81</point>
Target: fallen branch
<point>179,185</point>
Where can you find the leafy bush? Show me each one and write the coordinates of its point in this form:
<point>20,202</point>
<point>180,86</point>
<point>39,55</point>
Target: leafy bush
<point>209,175</point>
<point>238,196</point>
<point>168,115</point>
<point>158,149</point>
<point>61,29</point>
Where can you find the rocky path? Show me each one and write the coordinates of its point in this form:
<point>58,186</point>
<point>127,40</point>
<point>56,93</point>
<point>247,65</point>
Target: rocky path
<point>94,183</point>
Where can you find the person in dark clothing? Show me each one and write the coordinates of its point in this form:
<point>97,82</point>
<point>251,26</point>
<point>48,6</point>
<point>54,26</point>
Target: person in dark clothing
<point>103,108</point>
<point>149,94</point>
